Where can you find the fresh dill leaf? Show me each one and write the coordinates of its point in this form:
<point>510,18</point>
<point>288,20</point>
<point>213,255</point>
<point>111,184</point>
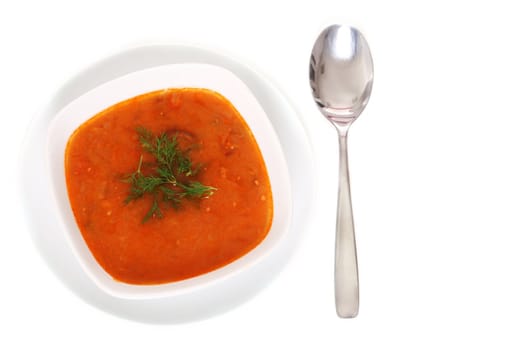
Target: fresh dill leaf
<point>170,179</point>
<point>153,211</point>
<point>166,150</point>
<point>184,166</point>
<point>170,196</point>
<point>165,173</point>
<point>196,189</point>
<point>146,139</point>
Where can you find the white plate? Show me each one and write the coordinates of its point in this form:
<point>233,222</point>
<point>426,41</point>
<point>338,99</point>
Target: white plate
<point>218,297</point>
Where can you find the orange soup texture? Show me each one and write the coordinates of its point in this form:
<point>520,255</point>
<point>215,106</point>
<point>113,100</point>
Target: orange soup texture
<point>198,236</point>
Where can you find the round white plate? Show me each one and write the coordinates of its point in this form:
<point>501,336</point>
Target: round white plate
<point>218,297</point>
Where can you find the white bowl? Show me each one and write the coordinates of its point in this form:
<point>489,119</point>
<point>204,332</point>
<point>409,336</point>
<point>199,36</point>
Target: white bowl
<point>168,76</point>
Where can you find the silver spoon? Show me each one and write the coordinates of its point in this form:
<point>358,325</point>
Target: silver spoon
<point>341,76</point>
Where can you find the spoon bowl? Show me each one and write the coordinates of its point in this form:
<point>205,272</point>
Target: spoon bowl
<point>341,78</point>
<point>341,72</point>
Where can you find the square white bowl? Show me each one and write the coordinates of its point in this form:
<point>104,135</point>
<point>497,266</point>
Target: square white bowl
<point>196,75</point>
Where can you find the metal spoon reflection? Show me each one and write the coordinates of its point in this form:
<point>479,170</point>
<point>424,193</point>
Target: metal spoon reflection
<point>341,77</point>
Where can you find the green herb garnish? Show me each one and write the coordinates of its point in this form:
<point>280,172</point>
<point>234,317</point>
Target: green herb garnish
<point>169,179</point>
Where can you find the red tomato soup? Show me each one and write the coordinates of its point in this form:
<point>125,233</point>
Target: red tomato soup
<point>167,234</point>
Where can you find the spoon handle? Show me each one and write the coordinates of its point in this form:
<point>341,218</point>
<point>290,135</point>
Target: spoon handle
<point>346,275</point>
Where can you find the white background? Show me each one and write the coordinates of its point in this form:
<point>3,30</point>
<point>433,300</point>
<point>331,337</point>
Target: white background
<point>437,166</point>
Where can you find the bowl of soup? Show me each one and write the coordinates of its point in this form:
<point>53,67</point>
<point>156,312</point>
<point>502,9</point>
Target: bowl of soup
<point>167,180</point>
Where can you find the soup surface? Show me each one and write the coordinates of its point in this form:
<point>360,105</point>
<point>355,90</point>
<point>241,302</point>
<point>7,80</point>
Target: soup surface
<point>139,246</point>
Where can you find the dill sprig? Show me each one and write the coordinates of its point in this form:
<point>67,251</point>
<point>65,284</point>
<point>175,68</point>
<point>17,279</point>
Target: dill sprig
<point>169,179</point>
